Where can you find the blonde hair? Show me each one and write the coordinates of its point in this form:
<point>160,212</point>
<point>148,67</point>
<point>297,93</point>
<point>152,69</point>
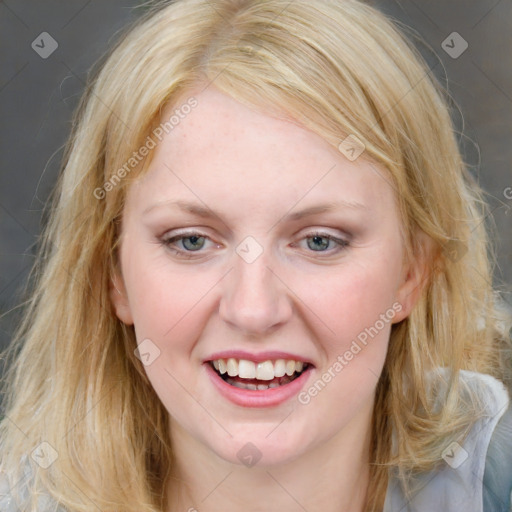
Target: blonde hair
<point>336,67</point>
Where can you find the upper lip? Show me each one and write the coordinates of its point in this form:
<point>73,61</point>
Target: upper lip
<point>270,355</point>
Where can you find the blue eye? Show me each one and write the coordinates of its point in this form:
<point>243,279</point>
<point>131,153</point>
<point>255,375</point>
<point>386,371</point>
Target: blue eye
<point>321,241</point>
<point>193,242</point>
<point>196,242</point>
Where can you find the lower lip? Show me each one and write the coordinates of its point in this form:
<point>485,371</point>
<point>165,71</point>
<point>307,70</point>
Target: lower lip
<point>258,398</point>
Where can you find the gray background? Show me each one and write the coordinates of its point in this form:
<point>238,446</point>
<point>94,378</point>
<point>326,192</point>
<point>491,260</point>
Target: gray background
<point>38,96</point>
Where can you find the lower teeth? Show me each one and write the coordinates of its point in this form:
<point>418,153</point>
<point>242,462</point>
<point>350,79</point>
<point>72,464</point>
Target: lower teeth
<point>254,387</point>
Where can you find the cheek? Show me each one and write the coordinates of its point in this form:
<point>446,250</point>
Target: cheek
<point>165,299</point>
<point>356,304</point>
<point>169,307</point>
<point>351,299</point>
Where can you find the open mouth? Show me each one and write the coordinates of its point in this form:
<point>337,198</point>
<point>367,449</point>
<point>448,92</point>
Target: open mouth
<point>261,376</point>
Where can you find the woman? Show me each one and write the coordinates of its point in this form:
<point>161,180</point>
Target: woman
<point>265,283</point>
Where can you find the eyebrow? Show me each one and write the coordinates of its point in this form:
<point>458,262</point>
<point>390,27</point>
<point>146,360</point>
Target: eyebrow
<point>202,211</point>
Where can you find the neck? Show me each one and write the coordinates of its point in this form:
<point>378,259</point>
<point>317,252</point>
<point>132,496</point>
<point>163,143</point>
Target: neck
<point>332,476</point>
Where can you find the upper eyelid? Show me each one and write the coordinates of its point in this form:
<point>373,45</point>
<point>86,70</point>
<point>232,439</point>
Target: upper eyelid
<point>312,231</point>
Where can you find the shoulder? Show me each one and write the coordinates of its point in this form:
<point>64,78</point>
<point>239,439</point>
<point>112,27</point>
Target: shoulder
<point>7,503</point>
<point>497,483</point>
<point>462,480</point>
<point>15,495</point>
<point>13,488</point>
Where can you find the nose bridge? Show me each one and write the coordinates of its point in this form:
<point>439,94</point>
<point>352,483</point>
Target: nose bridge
<point>253,299</point>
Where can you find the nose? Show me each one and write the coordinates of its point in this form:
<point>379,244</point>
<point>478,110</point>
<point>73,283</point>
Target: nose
<point>255,301</point>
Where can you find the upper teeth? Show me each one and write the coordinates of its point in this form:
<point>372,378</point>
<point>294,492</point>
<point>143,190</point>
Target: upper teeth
<point>266,370</point>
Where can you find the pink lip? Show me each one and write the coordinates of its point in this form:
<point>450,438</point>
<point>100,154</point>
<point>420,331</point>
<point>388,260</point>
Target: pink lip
<point>258,398</point>
<point>270,355</point>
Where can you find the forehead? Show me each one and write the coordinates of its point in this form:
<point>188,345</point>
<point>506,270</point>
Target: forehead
<point>222,152</point>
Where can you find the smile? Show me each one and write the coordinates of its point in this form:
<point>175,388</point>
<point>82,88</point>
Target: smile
<point>258,384</point>
<point>245,374</point>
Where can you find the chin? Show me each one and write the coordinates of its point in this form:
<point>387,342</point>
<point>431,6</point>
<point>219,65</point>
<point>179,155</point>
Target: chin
<point>258,445</point>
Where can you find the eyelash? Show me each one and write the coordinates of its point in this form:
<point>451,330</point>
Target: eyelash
<point>342,244</point>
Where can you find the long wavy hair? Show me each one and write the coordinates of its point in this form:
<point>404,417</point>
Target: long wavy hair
<point>336,67</point>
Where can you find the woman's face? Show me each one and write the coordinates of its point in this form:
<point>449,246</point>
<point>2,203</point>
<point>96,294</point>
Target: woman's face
<point>251,240</point>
